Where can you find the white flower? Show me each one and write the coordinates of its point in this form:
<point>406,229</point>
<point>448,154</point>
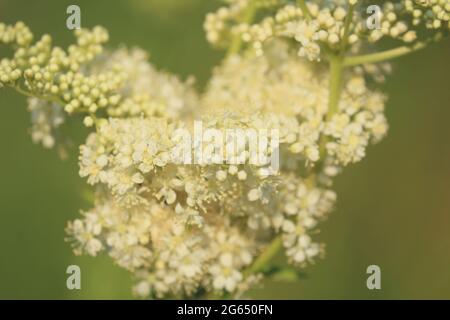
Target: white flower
<point>225,278</point>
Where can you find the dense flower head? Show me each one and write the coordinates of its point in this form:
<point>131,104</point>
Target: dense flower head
<point>168,257</point>
<point>136,159</point>
<point>132,161</point>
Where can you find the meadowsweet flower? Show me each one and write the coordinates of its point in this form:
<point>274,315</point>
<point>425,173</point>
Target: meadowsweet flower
<point>132,158</point>
<point>190,201</point>
<point>194,220</point>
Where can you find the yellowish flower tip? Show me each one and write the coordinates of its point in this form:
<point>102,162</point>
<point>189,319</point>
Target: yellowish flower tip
<point>121,82</point>
<point>88,121</point>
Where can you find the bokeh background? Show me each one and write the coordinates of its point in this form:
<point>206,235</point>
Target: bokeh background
<point>393,208</point>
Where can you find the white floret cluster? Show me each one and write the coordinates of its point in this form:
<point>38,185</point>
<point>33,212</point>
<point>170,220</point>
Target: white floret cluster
<point>168,257</point>
<point>324,25</point>
<point>281,84</point>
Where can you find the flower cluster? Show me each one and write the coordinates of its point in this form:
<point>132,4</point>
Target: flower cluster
<point>325,25</point>
<point>146,91</point>
<point>279,83</point>
<point>132,159</point>
<point>87,79</point>
<point>218,24</point>
<point>167,257</point>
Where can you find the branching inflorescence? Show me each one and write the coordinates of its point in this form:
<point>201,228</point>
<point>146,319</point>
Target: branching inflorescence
<point>304,68</point>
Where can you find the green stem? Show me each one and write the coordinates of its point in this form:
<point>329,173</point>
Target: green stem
<point>31,95</point>
<point>347,23</point>
<point>336,72</point>
<point>305,9</point>
<point>268,254</point>
<point>335,89</point>
<point>384,55</point>
<point>257,266</point>
<point>236,42</point>
<point>22,91</point>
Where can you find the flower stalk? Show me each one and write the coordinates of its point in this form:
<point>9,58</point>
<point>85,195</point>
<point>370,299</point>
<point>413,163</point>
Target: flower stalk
<point>264,259</point>
<point>305,9</point>
<point>336,73</point>
<point>383,56</point>
<point>236,42</point>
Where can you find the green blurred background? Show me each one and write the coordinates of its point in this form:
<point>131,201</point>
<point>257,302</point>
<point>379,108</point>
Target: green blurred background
<point>393,208</point>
